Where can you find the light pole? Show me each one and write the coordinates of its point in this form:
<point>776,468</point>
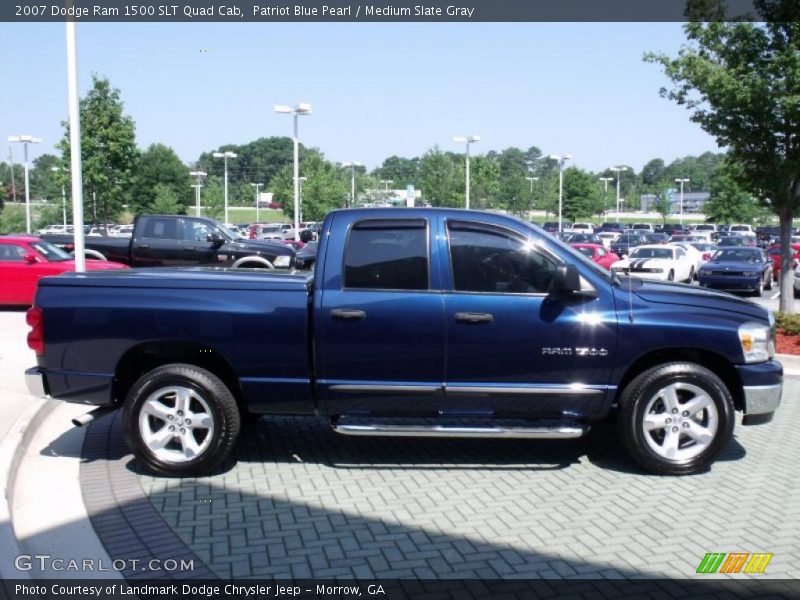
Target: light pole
<point>469,139</point>
<point>13,185</point>
<point>302,108</point>
<point>300,181</point>
<point>605,180</point>
<point>562,158</point>
<point>225,156</point>
<point>386,183</point>
<point>532,179</point>
<point>352,166</point>
<point>257,186</point>
<point>63,195</point>
<point>26,140</point>
<point>618,170</point>
<point>197,186</point>
<point>681,181</point>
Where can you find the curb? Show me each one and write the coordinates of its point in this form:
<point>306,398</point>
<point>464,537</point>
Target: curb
<point>12,449</point>
<point>790,362</point>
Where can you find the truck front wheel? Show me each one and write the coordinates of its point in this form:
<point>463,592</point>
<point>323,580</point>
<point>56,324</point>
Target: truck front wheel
<point>180,420</point>
<point>675,418</point>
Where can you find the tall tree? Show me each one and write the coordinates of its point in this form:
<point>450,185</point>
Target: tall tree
<point>45,183</point>
<point>403,171</point>
<point>166,201</point>
<point>108,149</point>
<point>582,196</point>
<point>158,165</point>
<point>441,181</point>
<point>653,172</point>
<point>741,82</point>
<point>728,202</point>
<point>325,188</point>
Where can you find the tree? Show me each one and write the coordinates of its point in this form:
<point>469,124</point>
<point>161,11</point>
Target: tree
<point>213,198</point>
<point>442,183</point>
<point>165,201</point>
<point>582,196</point>
<point>484,181</point>
<point>653,172</point>
<point>45,183</point>
<point>158,165</point>
<point>108,148</point>
<point>403,171</point>
<point>326,187</point>
<point>663,203</point>
<point>728,202</point>
<point>741,82</point>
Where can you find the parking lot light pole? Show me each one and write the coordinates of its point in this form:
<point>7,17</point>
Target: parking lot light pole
<point>300,181</point>
<point>681,181</point>
<point>618,170</point>
<point>63,195</point>
<point>26,140</point>
<point>386,183</point>
<point>302,108</point>
<point>605,180</point>
<point>257,186</point>
<point>197,186</point>
<point>461,139</point>
<point>225,156</point>
<point>561,158</point>
<point>352,165</point>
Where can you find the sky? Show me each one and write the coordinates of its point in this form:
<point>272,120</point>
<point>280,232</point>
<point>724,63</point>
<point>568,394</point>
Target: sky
<point>376,89</point>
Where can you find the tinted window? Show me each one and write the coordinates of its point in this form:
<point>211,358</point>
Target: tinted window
<point>12,252</point>
<point>389,254</point>
<point>490,259</point>
<point>164,229</point>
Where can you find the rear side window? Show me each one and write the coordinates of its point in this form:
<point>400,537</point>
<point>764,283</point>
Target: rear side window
<point>12,252</point>
<point>160,229</point>
<point>492,259</point>
<point>387,254</point>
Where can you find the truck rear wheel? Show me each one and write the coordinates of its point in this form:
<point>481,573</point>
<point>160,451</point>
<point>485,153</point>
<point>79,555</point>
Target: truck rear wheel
<point>675,418</point>
<point>180,420</point>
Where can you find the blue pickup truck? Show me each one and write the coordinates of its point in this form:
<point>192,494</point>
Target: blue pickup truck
<point>414,322</point>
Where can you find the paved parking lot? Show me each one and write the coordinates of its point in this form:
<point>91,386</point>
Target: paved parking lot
<point>300,501</point>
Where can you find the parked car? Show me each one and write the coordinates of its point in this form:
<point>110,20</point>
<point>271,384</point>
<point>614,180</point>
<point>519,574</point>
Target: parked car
<point>738,269</point>
<point>643,227</point>
<point>24,260</point>
<point>53,229</point>
<point>737,240</point>
<point>361,342</point>
<point>175,240</point>
<point>582,238</point>
<point>625,242</point>
<point>612,227</point>
<point>607,238</point>
<point>552,226</point>
<point>656,238</point>
<point>306,256</point>
<point>740,229</point>
<point>597,253</point>
<point>774,254</point>
<point>660,262</point>
<point>582,228</point>
<point>682,237</point>
<point>694,254</point>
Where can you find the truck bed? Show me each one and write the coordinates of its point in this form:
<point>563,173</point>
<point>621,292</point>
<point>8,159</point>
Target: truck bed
<point>255,321</point>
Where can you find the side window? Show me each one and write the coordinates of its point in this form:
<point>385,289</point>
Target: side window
<point>195,231</point>
<point>160,229</point>
<point>12,253</point>
<point>681,252</point>
<point>387,254</point>
<point>601,252</point>
<point>492,259</point>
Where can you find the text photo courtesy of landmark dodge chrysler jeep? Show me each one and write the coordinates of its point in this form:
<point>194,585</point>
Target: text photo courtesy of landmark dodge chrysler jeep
<point>415,322</point>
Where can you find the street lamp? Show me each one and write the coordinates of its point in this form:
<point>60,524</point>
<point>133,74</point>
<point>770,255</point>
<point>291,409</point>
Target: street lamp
<point>63,195</point>
<point>257,186</point>
<point>605,180</point>
<point>225,156</point>
<point>561,160</point>
<point>532,179</point>
<point>352,166</point>
<point>302,108</point>
<point>681,181</point>
<point>386,183</point>
<point>467,140</point>
<point>197,186</point>
<point>26,140</point>
<point>300,181</point>
<point>618,170</point>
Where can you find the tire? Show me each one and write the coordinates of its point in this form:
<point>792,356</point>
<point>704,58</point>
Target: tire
<point>759,291</point>
<point>691,275</point>
<point>768,285</point>
<point>165,397</point>
<point>651,393</point>
<point>671,275</point>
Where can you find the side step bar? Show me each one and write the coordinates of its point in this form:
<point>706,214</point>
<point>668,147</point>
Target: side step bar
<point>560,431</point>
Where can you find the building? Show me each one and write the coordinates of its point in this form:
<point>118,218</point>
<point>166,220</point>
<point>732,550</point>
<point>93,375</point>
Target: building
<point>693,202</point>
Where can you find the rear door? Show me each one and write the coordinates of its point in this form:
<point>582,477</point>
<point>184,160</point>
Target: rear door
<point>380,318</point>
<point>156,242</point>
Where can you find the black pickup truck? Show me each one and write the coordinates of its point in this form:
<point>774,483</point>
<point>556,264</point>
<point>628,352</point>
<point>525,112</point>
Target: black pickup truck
<point>174,240</point>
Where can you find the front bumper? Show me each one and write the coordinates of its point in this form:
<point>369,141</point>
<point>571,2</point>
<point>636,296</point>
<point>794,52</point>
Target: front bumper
<point>36,382</point>
<point>762,388</point>
<point>735,283</point>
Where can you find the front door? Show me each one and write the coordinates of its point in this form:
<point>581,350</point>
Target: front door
<point>380,320</point>
<point>515,349</point>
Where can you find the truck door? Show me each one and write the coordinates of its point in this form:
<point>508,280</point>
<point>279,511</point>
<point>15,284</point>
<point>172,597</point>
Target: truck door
<point>196,249</point>
<point>156,242</point>
<point>513,349</point>
<point>380,319</point>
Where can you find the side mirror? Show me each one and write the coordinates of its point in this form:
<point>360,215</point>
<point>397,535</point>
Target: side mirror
<point>30,258</point>
<point>215,239</point>
<point>306,236</point>
<point>566,280</point>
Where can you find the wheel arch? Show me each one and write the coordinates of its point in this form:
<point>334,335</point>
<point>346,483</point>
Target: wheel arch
<point>147,356</point>
<point>712,361</point>
<point>254,261</point>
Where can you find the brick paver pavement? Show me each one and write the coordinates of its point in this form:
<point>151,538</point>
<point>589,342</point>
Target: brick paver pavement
<point>301,501</point>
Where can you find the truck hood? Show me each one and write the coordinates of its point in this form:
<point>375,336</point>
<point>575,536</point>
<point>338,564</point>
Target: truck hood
<point>254,246</point>
<point>685,295</point>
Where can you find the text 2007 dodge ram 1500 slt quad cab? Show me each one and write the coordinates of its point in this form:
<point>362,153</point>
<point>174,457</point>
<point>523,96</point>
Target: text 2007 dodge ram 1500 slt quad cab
<point>415,322</point>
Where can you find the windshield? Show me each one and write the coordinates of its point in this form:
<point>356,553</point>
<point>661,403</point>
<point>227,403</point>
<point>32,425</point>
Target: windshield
<point>586,251</point>
<point>50,252</point>
<point>737,255</point>
<point>651,253</point>
<point>740,228</point>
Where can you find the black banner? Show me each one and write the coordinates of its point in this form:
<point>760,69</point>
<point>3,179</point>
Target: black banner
<point>122,11</point>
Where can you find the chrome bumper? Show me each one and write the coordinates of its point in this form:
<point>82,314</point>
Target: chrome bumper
<point>34,381</point>
<point>762,399</point>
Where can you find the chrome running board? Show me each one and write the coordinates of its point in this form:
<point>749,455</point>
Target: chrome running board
<point>558,430</point>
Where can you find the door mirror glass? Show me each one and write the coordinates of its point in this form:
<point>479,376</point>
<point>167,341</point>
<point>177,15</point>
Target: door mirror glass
<point>566,280</point>
<point>30,258</point>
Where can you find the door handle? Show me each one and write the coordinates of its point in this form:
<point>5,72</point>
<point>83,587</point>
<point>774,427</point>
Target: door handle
<point>144,245</point>
<point>348,314</point>
<point>474,317</point>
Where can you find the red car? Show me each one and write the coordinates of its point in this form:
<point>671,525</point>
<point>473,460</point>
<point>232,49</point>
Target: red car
<point>25,259</point>
<point>598,254</point>
<point>774,253</point>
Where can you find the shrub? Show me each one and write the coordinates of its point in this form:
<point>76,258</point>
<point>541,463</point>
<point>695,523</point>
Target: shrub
<point>789,324</point>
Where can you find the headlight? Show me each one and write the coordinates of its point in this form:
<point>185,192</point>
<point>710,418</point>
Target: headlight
<point>757,342</point>
<point>282,261</point>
